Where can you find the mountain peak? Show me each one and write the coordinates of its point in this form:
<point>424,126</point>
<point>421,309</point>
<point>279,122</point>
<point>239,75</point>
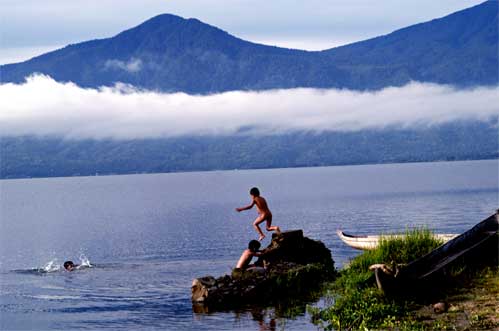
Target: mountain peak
<point>172,53</point>
<point>165,23</point>
<point>174,34</point>
<point>167,20</point>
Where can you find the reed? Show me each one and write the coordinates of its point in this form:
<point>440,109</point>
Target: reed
<point>399,250</point>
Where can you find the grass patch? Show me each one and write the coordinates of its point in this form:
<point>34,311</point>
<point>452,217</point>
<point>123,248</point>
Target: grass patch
<point>399,250</point>
<point>357,303</point>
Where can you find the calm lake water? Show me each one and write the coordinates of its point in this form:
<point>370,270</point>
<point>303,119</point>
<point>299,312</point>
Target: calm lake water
<point>148,236</point>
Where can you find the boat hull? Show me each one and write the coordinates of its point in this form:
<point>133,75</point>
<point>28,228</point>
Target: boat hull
<point>474,249</point>
<point>371,242</point>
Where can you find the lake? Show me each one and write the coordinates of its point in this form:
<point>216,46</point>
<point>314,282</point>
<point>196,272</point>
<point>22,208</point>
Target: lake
<point>148,236</point>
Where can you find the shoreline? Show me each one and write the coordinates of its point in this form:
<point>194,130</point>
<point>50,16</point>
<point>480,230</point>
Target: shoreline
<point>248,169</point>
<point>464,296</point>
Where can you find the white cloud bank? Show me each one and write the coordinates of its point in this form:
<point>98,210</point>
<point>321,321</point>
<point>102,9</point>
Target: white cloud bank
<point>42,106</point>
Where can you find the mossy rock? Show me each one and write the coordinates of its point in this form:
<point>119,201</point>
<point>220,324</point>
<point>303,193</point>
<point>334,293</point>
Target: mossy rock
<point>294,265</point>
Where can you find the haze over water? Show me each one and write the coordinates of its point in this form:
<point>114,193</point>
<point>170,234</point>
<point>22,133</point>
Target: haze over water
<point>148,236</point>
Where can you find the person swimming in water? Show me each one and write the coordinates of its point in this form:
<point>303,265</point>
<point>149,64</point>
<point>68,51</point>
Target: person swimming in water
<point>70,266</point>
<point>263,211</point>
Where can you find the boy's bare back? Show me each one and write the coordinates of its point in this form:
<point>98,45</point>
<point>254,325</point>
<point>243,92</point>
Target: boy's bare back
<point>261,205</point>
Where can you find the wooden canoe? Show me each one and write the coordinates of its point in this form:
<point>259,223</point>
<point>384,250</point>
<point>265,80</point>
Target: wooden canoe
<point>371,242</point>
<point>475,248</point>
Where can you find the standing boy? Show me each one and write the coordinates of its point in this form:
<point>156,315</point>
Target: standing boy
<point>263,211</point>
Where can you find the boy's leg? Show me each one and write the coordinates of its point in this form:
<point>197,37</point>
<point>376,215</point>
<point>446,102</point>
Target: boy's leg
<point>259,220</point>
<point>272,228</point>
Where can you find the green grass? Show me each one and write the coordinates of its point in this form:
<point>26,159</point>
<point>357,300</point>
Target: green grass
<point>402,250</point>
<point>357,303</point>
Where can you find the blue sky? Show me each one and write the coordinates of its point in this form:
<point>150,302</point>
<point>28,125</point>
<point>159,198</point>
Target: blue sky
<point>32,27</point>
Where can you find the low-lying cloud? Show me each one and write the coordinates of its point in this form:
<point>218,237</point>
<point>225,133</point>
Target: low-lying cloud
<point>131,66</point>
<point>42,106</point>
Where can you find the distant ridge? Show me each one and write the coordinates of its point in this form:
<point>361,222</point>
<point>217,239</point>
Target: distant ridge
<point>52,156</point>
<point>170,53</point>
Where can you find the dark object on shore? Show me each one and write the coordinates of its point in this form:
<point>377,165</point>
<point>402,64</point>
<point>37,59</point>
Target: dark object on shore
<point>294,265</point>
<point>440,307</point>
<point>475,248</point>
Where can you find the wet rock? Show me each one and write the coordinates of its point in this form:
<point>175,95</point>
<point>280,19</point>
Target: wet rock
<point>294,264</point>
<point>201,287</point>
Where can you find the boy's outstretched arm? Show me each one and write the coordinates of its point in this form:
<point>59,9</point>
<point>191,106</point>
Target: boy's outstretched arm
<point>246,208</point>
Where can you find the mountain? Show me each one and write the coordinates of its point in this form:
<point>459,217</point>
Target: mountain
<point>169,53</point>
<point>52,156</point>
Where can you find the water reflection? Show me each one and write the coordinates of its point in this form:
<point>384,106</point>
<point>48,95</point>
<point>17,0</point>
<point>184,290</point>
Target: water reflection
<point>276,316</point>
<point>259,316</point>
<point>262,318</point>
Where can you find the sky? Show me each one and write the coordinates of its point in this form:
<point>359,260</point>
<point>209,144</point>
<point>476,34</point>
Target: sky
<point>32,27</point>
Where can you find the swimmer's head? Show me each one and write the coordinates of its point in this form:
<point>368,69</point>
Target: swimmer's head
<point>69,265</point>
<point>255,192</point>
<point>254,245</point>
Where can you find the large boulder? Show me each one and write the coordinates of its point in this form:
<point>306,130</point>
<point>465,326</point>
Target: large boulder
<point>293,264</point>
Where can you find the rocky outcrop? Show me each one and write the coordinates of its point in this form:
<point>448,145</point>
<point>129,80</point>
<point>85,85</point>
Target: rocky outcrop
<point>291,265</point>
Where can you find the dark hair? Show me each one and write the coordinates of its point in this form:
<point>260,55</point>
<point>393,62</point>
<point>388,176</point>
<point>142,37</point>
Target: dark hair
<point>255,192</point>
<point>68,264</point>
<point>254,245</point>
